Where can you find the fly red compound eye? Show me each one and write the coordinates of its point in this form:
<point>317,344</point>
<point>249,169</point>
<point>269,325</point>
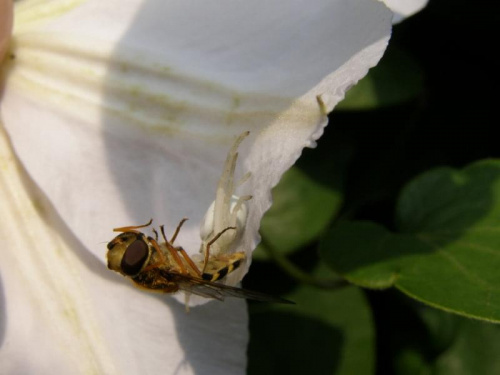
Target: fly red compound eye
<point>167,268</point>
<point>135,257</point>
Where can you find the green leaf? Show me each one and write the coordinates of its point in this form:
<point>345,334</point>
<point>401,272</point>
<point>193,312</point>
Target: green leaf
<point>447,349</point>
<point>326,332</point>
<point>474,351</point>
<point>302,208</point>
<point>307,197</point>
<point>446,252</point>
<point>395,80</point>
<point>416,339</point>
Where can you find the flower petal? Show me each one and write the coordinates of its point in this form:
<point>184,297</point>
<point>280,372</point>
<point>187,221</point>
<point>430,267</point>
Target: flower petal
<point>135,110</point>
<point>120,113</point>
<point>405,8</point>
<point>62,312</point>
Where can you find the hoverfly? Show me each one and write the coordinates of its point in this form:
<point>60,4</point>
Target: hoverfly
<point>165,268</point>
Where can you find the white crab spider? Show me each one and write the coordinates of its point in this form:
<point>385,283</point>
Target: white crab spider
<point>228,210</point>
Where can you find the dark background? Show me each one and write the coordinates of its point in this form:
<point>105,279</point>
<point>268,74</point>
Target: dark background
<point>445,116</point>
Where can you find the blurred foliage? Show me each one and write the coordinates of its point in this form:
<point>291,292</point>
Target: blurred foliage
<point>306,199</point>
<point>447,248</point>
<point>301,209</point>
<point>334,327</point>
<point>401,191</point>
<point>396,80</point>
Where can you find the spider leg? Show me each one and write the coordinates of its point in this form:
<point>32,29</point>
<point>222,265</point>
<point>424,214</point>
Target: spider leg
<point>244,179</point>
<point>225,186</point>
<point>237,206</point>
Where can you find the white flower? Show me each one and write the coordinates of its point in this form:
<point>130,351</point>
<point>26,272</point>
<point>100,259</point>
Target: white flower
<point>120,111</point>
<point>404,8</point>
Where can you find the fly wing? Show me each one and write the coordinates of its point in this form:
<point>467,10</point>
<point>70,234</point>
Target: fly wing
<point>218,291</point>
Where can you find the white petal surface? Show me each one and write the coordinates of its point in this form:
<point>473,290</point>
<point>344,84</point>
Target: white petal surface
<point>61,312</point>
<point>405,8</point>
<point>131,116</point>
<point>123,111</point>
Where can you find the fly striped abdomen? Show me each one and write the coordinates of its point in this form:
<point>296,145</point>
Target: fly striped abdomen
<point>219,268</point>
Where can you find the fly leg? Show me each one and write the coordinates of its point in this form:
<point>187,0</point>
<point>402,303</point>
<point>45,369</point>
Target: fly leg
<point>207,250</point>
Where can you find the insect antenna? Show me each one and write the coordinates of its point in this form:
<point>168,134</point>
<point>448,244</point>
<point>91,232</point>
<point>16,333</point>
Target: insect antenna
<point>133,227</point>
